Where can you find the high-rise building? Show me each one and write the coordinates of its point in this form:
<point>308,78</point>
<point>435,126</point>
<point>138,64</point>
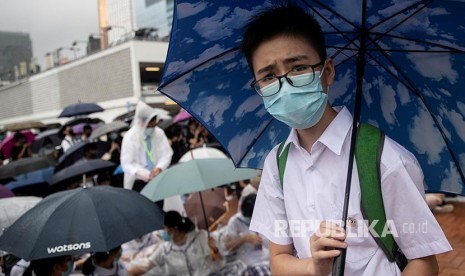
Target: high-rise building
<point>156,14</point>
<point>119,19</point>
<point>15,55</point>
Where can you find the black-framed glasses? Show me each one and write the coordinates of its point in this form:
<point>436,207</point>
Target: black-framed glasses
<point>298,76</point>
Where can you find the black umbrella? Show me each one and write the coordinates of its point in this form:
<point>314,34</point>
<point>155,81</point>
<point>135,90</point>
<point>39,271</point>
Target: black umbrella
<point>52,134</point>
<point>94,219</point>
<point>76,153</point>
<point>80,109</point>
<point>76,171</point>
<point>108,128</point>
<point>25,165</point>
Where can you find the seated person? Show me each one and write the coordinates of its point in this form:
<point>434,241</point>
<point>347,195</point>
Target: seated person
<point>105,263</point>
<point>185,252</point>
<point>249,246</point>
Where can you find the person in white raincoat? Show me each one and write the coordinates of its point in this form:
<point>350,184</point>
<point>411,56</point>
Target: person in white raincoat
<point>145,150</point>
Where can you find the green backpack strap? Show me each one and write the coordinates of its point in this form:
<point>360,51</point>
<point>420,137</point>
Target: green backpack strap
<point>368,150</point>
<point>281,157</point>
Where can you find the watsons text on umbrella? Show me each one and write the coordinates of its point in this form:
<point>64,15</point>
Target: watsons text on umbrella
<point>68,247</point>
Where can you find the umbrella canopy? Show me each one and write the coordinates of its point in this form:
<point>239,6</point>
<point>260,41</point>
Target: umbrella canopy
<point>76,153</point>
<point>193,176</point>
<point>7,144</point>
<point>24,125</point>
<point>5,192</point>
<point>115,126</point>
<point>213,204</point>
<point>25,165</point>
<point>79,109</point>
<point>32,183</point>
<point>411,84</point>
<point>13,208</point>
<point>182,116</point>
<point>76,171</point>
<point>202,153</point>
<point>95,219</point>
<point>52,134</point>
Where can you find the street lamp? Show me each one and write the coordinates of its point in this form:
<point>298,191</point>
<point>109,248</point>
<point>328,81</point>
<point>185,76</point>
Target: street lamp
<point>65,48</point>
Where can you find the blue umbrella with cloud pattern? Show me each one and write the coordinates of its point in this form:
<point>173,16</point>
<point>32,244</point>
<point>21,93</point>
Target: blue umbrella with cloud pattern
<point>410,85</point>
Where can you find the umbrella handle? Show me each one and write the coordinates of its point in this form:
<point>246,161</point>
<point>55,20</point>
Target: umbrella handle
<point>204,213</point>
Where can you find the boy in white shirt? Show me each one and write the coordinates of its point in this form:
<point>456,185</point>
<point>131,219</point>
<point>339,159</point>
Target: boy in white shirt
<point>286,52</point>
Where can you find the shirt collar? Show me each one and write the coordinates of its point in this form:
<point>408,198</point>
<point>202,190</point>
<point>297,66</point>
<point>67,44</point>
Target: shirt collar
<point>334,135</point>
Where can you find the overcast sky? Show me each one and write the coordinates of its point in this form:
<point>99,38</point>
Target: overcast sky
<point>50,23</point>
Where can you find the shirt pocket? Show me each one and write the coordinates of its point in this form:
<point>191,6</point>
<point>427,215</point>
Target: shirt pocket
<point>362,245</point>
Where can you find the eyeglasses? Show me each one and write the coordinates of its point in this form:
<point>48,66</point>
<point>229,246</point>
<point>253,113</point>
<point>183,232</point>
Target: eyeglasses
<point>298,76</point>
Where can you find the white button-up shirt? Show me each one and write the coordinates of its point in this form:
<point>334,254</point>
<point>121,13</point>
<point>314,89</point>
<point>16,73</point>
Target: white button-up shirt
<point>313,190</point>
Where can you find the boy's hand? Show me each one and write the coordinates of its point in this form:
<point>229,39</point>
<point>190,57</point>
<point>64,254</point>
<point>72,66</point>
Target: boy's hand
<point>324,244</point>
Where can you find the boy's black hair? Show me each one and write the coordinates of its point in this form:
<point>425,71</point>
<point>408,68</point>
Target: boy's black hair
<point>283,19</point>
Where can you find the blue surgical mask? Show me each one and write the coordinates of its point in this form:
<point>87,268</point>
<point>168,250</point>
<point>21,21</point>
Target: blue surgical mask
<point>298,107</point>
<point>165,236</point>
<point>113,136</point>
<point>148,131</point>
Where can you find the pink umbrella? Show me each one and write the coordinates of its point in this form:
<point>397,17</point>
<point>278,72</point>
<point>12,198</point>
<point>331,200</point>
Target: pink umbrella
<point>183,115</point>
<point>8,143</point>
<point>77,129</point>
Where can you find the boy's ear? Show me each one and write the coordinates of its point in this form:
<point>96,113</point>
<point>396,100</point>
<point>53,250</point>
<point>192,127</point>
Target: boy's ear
<point>329,72</point>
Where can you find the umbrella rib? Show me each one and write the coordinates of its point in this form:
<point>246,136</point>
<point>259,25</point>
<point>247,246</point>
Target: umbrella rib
<point>390,72</point>
<point>197,66</point>
<point>399,50</point>
<point>330,10</point>
<point>420,96</point>
<point>343,34</point>
<point>450,48</point>
<point>414,5</point>
<point>398,24</point>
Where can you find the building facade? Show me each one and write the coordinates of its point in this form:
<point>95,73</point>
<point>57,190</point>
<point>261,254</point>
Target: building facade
<point>121,19</point>
<point>15,55</point>
<point>115,78</point>
<point>156,14</point>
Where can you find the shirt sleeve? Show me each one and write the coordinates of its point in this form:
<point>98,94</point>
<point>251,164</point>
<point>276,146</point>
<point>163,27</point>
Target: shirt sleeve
<point>269,212</point>
<point>413,225</point>
<point>164,150</point>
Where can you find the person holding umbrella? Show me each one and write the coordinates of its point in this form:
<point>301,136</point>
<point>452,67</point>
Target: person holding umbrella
<point>105,263</point>
<point>285,50</point>
<point>145,150</point>
<point>69,139</point>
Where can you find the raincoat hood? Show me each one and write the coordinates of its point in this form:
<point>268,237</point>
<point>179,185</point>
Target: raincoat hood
<point>145,113</point>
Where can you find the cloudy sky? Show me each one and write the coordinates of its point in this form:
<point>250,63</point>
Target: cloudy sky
<point>50,23</point>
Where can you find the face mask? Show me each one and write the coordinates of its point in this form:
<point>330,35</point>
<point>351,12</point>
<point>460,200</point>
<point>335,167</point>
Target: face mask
<point>298,107</point>
<point>113,136</point>
<point>165,236</point>
<point>70,268</point>
<point>148,131</point>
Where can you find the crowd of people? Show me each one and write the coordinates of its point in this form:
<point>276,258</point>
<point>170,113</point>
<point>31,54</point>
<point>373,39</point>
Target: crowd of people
<point>285,49</point>
<point>181,248</point>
